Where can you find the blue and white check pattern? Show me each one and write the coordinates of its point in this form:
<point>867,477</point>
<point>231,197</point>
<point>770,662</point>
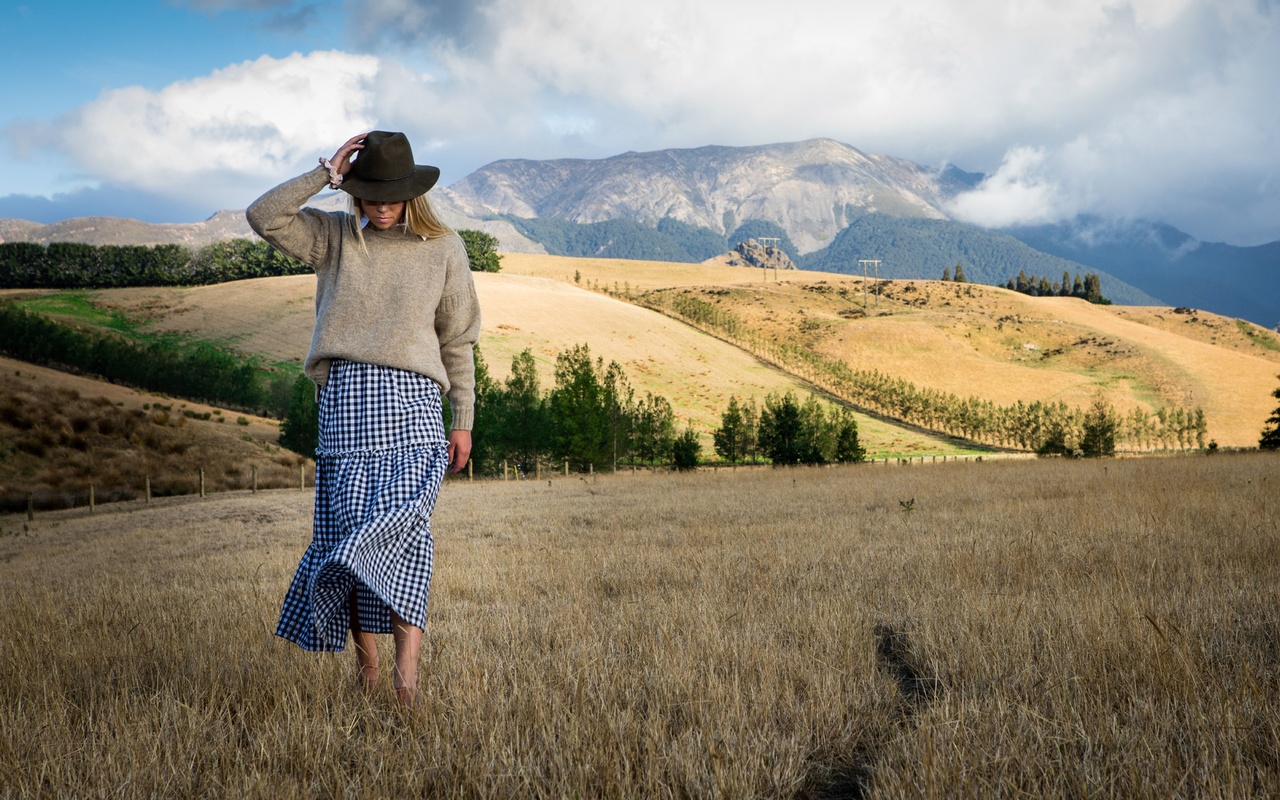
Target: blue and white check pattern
<point>382,457</point>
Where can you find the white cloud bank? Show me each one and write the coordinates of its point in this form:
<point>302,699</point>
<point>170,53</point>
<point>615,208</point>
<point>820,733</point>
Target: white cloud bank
<point>1157,108</point>
<point>209,137</point>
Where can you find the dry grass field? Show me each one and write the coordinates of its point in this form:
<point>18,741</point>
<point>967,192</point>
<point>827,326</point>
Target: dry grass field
<point>1052,628</point>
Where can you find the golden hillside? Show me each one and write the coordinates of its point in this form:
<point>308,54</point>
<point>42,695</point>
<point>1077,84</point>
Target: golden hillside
<point>983,341</point>
<point>696,372</point>
<point>966,339</point>
<point>61,433</point>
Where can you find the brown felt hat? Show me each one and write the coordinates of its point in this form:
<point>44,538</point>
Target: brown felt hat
<point>384,170</point>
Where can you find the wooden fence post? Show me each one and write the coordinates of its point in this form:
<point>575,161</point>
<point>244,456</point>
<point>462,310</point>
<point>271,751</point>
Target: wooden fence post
<point>566,467</point>
<point>148,490</point>
<point>470,477</point>
<point>31,507</point>
<point>202,481</point>
<point>254,481</point>
<point>91,498</point>
<point>302,477</point>
<point>504,469</point>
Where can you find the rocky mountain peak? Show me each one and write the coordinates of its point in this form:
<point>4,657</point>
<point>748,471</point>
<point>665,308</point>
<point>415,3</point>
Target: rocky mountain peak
<point>812,189</point>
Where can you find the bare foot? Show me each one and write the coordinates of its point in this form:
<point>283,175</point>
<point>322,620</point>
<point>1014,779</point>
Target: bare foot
<point>407,695</point>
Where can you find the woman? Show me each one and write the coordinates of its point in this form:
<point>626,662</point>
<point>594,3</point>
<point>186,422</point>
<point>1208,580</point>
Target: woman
<point>396,318</point>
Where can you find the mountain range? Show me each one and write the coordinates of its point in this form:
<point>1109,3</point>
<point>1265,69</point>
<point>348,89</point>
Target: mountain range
<point>828,203</point>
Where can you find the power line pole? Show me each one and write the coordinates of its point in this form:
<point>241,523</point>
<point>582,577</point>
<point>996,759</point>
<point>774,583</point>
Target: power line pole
<point>767,242</point>
<point>864,262</point>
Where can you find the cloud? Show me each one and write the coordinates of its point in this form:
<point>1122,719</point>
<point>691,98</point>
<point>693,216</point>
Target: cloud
<point>1194,148</point>
<point>1019,193</point>
<point>212,137</point>
<point>455,23</point>
<point>1144,108</point>
<point>1153,108</point>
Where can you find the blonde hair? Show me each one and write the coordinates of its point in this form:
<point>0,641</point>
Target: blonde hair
<point>419,219</point>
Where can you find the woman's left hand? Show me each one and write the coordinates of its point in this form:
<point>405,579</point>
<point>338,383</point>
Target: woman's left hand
<point>342,159</point>
<point>459,450</point>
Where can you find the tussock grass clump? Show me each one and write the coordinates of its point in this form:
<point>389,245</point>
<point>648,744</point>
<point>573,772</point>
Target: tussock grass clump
<point>1042,628</point>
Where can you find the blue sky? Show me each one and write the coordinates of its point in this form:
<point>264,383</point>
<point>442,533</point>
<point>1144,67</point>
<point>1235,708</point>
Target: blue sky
<point>169,110</point>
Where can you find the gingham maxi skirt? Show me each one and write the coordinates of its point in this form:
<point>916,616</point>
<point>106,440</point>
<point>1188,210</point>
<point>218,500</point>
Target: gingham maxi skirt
<point>379,465</point>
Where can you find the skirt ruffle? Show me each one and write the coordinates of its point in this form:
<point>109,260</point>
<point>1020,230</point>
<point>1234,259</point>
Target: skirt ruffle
<point>379,468</point>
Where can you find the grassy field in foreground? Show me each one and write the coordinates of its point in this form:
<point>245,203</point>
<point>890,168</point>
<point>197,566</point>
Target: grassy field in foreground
<point>1050,628</point>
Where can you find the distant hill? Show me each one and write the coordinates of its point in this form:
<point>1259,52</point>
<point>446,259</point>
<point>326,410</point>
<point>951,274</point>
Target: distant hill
<point>221,226</point>
<point>117,231</point>
<point>923,248</point>
<point>1241,282</point>
<point>828,202</point>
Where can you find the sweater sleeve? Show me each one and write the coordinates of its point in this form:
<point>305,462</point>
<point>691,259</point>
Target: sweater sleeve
<point>457,329</point>
<point>278,217</point>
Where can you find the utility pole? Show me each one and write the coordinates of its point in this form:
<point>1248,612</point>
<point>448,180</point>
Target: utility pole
<point>864,262</point>
<point>771,241</point>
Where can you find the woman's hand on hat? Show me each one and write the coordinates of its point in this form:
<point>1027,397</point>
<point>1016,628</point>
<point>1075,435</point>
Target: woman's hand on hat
<point>342,159</point>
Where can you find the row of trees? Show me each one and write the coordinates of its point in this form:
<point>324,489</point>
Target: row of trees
<point>1023,425</point>
<point>787,431</point>
<point>73,265</point>
<point>593,419</point>
<point>1087,288</point>
<point>198,371</point>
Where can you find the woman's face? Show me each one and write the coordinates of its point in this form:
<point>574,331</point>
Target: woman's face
<point>382,215</point>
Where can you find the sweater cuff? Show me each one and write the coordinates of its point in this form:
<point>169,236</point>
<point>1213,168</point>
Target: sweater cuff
<point>463,418</point>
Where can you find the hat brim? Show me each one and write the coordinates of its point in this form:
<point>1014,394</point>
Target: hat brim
<point>396,191</point>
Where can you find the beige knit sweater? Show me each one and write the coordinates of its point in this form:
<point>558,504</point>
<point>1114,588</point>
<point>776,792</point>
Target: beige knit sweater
<point>407,303</point>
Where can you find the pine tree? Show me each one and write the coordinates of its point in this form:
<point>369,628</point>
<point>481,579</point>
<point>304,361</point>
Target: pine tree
<point>1271,436</point>
<point>580,431</point>
<point>520,419</point>
<point>685,451</point>
<point>730,437</point>
<point>946,274</point>
<point>960,278</point>
<point>750,430</point>
<point>1100,426</point>
<point>1093,288</point>
<point>654,428</point>
<point>848,449</point>
<point>781,429</point>
<point>300,429</point>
